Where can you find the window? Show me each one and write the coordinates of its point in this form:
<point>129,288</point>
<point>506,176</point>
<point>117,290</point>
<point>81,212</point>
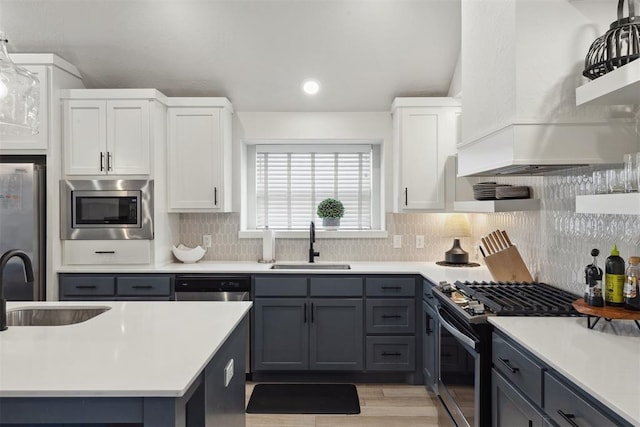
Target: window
<point>291,179</point>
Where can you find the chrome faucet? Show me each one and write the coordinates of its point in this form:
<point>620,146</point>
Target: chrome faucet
<point>312,239</point>
<point>28,274</point>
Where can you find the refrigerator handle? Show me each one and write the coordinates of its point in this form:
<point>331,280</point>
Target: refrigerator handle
<point>40,248</point>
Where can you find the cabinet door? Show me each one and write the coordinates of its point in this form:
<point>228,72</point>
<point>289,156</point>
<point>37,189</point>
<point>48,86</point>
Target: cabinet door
<point>196,161</point>
<point>429,346</point>
<point>128,137</point>
<point>280,334</point>
<point>85,137</point>
<point>510,408</point>
<point>41,139</point>
<point>422,177</point>
<point>337,334</point>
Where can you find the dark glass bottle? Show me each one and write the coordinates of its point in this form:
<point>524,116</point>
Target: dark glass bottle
<point>614,278</point>
<point>593,280</point>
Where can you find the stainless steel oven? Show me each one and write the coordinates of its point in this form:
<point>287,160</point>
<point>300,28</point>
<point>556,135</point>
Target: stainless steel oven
<point>106,209</point>
<point>464,360</point>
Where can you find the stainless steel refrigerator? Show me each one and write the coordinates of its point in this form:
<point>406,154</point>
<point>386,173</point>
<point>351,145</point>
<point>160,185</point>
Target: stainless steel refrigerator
<point>22,224</point>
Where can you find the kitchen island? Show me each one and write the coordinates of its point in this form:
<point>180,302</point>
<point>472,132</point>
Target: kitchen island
<point>603,362</point>
<point>153,363</point>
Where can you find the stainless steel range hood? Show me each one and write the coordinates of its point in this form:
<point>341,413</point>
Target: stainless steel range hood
<point>547,148</point>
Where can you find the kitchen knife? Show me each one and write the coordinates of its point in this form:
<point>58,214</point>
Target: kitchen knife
<point>500,238</point>
<point>488,245</point>
<point>506,238</point>
<point>494,243</point>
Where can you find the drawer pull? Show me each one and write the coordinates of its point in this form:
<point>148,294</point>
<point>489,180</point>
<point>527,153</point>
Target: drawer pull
<point>568,418</point>
<point>305,312</point>
<point>506,363</point>
<point>105,252</point>
<point>391,288</point>
<point>391,316</point>
<point>395,353</point>
<point>142,286</point>
<point>86,287</point>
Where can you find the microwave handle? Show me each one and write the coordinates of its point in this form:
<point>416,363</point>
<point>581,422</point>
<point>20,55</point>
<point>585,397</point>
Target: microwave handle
<point>455,332</point>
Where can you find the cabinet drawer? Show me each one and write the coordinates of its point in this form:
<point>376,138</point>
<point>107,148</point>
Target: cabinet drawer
<point>388,316</point>
<point>563,404</point>
<point>335,287</point>
<point>391,354</point>
<point>523,372</point>
<point>87,286</point>
<point>391,287</point>
<point>142,286</point>
<point>510,407</point>
<point>280,286</point>
<point>100,252</point>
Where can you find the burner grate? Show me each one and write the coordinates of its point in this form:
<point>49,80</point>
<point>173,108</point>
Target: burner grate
<point>521,299</point>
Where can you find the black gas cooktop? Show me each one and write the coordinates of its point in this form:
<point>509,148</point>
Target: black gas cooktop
<point>477,300</point>
<point>520,298</point>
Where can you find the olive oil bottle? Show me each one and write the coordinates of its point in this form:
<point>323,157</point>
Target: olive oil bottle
<point>614,279</point>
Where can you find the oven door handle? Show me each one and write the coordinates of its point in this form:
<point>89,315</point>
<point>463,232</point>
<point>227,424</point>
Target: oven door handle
<point>456,333</point>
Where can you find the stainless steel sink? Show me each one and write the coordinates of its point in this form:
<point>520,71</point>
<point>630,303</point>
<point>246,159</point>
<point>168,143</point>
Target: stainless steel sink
<point>310,266</point>
<point>53,316</point>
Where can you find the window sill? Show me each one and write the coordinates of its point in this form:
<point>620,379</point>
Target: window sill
<point>320,234</point>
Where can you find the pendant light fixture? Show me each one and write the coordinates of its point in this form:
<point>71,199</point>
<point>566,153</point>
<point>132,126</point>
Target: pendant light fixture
<point>19,96</point>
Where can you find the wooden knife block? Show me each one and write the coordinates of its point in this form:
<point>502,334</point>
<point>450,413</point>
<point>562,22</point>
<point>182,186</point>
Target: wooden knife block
<point>508,266</point>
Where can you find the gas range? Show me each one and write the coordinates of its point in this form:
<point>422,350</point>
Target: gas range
<point>475,301</point>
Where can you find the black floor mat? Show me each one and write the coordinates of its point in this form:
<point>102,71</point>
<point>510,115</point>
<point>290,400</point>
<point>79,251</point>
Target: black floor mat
<point>304,399</point>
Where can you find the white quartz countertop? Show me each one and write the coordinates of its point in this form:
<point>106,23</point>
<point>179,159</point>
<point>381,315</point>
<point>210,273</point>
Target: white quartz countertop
<point>601,361</point>
<point>429,270</point>
<point>134,349</point>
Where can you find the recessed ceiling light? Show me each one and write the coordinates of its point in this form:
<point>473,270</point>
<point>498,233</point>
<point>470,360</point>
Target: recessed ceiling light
<point>310,87</point>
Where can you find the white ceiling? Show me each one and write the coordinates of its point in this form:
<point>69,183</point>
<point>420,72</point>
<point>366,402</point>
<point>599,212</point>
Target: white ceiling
<point>255,52</point>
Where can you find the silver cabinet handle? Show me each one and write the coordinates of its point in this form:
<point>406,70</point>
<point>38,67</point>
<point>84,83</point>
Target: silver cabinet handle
<point>406,196</point>
<point>215,196</point>
<point>109,168</point>
<point>101,161</point>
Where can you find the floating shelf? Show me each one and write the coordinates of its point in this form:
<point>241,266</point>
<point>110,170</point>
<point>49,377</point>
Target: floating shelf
<point>618,87</point>
<point>489,206</point>
<point>616,204</point>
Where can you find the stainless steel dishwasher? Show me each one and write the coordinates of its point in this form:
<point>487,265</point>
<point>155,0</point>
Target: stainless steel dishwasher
<point>214,287</point>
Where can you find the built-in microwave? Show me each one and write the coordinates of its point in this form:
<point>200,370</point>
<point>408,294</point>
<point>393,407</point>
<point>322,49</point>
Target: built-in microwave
<point>106,209</point>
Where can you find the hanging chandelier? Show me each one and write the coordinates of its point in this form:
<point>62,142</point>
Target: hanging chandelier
<point>19,96</point>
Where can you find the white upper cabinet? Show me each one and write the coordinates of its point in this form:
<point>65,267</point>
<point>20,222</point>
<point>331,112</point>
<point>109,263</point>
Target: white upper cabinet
<point>106,137</point>
<point>424,135</point>
<point>199,155</point>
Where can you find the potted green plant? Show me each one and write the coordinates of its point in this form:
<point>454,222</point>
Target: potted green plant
<point>330,210</point>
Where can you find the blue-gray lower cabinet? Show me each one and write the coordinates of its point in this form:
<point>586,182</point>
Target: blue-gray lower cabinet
<point>429,346</point>
<point>115,287</point>
<point>281,334</point>
<point>295,334</point>
<point>526,391</point>
<point>509,407</point>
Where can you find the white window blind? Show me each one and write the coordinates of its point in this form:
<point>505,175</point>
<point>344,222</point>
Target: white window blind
<point>292,180</point>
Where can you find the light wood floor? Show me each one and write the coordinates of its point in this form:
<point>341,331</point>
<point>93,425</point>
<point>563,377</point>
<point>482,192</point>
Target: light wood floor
<point>381,405</point>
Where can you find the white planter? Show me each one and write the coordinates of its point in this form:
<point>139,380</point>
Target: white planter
<point>331,223</point>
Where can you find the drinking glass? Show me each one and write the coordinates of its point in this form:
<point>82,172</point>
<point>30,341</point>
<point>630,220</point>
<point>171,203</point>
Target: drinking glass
<point>600,182</point>
<point>631,173</point>
<point>615,180</point>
